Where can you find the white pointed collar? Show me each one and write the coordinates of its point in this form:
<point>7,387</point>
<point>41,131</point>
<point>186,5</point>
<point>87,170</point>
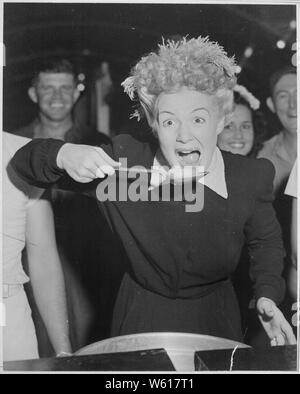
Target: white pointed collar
<point>214,179</point>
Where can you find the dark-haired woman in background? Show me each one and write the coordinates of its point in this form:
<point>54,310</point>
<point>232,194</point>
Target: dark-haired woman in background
<point>245,133</point>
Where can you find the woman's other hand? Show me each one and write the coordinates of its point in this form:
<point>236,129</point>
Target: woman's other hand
<point>274,323</point>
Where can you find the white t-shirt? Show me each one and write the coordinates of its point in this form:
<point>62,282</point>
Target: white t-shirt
<point>17,197</point>
<point>291,187</point>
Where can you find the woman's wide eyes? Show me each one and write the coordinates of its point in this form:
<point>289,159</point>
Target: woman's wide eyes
<point>172,122</point>
<point>199,120</point>
<point>168,123</point>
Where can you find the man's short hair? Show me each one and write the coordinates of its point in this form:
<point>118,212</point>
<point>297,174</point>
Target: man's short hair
<point>54,65</point>
<point>278,75</point>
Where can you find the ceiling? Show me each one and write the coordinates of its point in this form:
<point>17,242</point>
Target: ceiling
<point>121,33</point>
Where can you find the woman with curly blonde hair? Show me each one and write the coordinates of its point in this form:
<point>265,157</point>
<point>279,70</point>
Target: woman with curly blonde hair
<point>180,262</point>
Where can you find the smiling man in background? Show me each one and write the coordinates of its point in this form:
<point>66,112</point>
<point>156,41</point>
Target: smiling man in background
<point>281,149</point>
<point>54,90</point>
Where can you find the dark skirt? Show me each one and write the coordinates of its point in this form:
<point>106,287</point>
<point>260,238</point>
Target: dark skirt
<point>138,310</point>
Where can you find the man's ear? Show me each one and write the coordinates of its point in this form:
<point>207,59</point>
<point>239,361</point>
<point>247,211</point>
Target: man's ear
<point>221,125</point>
<point>32,94</point>
<point>270,104</point>
<point>76,95</point>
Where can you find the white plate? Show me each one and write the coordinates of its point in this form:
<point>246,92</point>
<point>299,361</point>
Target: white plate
<point>180,347</point>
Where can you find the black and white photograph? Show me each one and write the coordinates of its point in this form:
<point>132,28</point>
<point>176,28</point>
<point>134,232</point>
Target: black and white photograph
<point>149,190</point>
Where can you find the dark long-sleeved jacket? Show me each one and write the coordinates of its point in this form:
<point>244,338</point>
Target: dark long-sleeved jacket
<point>172,252</point>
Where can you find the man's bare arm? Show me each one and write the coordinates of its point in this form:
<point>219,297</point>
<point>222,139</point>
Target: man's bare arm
<point>46,274</point>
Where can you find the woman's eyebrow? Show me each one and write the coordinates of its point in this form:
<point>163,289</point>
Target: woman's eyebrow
<point>200,109</point>
<point>165,112</point>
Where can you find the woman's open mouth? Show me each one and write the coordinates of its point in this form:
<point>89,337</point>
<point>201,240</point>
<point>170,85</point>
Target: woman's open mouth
<point>188,157</point>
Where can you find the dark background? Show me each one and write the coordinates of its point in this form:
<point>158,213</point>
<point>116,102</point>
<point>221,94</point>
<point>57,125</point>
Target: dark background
<point>120,33</point>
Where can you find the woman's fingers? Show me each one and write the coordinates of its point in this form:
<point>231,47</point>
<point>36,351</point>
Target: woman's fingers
<point>107,159</point>
<point>276,326</point>
<point>106,169</point>
<point>273,342</point>
<point>103,164</point>
<point>94,172</point>
<point>269,311</point>
<point>283,339</point>
<point>99,173</point>
<point>265,307</point>
<point>280,339</point>
<point>82,179</point>
<point>289,334</point>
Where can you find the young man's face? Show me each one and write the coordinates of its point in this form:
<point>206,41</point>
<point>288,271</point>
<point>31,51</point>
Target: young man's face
<point>238,135</point>
<point>285,101</point>
<point>55,94</point>
<point>188,125</point>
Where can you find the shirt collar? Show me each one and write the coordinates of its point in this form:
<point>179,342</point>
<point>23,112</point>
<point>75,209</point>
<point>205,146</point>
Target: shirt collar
<point>214,179</point>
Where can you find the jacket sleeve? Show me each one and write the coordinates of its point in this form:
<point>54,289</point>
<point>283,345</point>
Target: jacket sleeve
<point>264,239</point>
<point>35,163</point>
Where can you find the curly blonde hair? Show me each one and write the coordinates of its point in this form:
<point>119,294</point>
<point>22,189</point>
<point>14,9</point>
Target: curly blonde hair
<point>197,63</point>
